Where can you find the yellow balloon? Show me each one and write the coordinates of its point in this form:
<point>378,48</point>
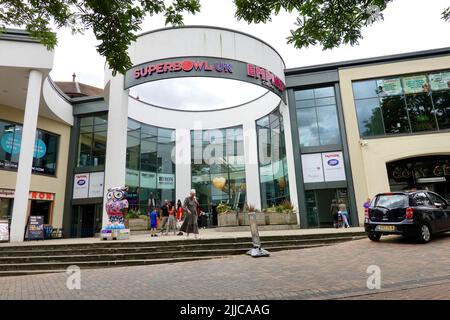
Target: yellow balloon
<point>219,182</point>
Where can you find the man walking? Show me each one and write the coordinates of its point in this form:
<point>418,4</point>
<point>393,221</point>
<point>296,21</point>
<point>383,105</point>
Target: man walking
<point>164,215</point>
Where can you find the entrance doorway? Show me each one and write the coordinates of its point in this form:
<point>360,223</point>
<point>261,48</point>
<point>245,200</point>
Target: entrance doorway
<point>41,208</point>
<point>318,206</point>
<point>429,173</point>
<point>86,220</point>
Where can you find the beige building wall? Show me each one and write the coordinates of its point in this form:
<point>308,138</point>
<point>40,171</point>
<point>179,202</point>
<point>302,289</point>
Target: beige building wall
<point>369,162</point>
<point>52,184</point>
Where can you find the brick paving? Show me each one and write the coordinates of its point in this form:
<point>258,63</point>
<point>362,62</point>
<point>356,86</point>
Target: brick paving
<point>332,272</point>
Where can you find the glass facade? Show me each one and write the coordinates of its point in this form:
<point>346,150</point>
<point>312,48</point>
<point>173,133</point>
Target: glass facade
<point>317,117</point>
<point>403,104</point>
<point>45,149</point>
<point>273,172</point>
<point>218,167</point>
<point>92,141</point>
<point>150,171</point>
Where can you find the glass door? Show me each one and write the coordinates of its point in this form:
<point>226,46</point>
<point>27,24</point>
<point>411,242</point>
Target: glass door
<point>312,212</point>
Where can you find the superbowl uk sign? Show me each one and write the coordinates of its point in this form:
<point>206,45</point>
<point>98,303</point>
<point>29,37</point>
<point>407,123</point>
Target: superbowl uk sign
<point>205,67</point>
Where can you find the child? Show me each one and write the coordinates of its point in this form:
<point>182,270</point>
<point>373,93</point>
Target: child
<point>153,223</point>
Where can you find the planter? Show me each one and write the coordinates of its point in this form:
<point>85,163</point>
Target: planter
<point>283,218</point>
<point>243,218</point>
<point>137,224</point>
<point>229,219</point>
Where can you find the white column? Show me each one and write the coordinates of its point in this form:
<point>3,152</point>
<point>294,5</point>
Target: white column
<point>116,146</point>
<point>23,178</point>
<point>251,164</point>
<point>182,163</point>
<point>284,109</point>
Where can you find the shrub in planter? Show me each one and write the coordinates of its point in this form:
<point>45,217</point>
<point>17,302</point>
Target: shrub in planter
<point>136,221</point>
<point>226,216</point>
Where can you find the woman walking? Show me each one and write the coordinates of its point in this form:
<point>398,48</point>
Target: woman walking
<point>190,206</point>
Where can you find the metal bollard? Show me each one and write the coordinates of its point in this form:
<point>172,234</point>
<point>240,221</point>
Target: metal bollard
<point>257,251</point>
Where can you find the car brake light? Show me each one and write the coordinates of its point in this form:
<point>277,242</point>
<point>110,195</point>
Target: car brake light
<point>409,213</point>
<point>366,212</point>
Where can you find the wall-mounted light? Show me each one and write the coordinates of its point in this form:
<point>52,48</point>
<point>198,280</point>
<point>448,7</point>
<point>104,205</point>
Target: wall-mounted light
<point>363,143</point>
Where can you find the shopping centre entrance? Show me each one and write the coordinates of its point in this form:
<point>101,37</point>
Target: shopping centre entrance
<point>429,173</point>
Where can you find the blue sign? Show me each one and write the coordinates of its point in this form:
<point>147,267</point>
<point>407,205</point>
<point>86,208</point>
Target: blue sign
<point>81,182</point>
<point>333,162</point>
<point>11,144</point>
<point>40,149</point>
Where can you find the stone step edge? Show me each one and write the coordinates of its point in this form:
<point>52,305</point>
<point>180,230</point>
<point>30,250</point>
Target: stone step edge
<point>109,262</point>
<point>188,244</point>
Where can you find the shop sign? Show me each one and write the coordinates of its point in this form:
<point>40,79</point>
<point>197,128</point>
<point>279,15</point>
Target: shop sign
<point>420,171</point>
<point>440,81</point>
<point>42,196</point>
<point>132,178</point>
<point>333,166</point>
<point>96,184</point>
<point>34,195</point>
<point>312,168</point>
<point>415,84</point>
<point>389,87</point>
<point>205,67</point>
<point>148,179</point>
<point>4,231</point>
<point>81,186</point>
<point>165,181</point>
<point>35,230</point>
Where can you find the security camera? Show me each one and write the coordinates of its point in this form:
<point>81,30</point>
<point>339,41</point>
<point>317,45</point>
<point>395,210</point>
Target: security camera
<point>363,143</point>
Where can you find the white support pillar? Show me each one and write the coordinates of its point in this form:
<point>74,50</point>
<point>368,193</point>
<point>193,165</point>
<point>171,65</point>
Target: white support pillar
<point>116,146</point>
<point>251,165</point>
<point>284,110</point>
<point>182,163</point>
<point>23,178</point>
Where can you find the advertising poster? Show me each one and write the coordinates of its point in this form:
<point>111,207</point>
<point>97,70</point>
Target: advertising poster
<point>415,84</point>
<point>389,87</point>
<point>35,230</point>
<point>440,81</point>
<point>81,186</point>
<point>4,231</point>
<point>166,181</point>
<point>96,184</point>
<point>312,168</point>
<point>333,166</point>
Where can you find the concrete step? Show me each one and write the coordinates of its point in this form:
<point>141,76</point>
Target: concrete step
<point>157,247</point>
<point>6,269</point>
<point>136,244</point>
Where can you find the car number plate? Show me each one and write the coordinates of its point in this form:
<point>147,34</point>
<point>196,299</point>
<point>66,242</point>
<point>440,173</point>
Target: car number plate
<point>385,228</point>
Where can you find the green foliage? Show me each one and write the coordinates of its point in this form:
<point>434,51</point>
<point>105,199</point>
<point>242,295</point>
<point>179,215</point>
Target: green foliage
<point>133,214</point>
<point>330,23</point>
<point>114,22</point>
<point>223,208</point>
<point>249,208</point>
<point>285,207</point>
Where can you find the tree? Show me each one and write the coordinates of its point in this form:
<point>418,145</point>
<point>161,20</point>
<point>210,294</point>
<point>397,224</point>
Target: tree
<point>114,22</point>
<point>330,23</point>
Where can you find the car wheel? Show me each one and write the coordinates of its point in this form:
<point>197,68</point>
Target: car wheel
<point>374,236</point>
<point>425,233</point>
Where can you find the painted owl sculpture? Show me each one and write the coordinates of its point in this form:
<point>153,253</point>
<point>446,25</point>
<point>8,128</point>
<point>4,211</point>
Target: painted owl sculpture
<point>116,207</point>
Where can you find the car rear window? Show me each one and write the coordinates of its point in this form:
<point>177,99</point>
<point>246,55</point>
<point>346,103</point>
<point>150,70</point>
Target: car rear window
<point>392,201</point>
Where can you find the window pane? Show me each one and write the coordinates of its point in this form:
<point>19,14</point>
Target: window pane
<point>324,92</point>
<point>328,125</point>
<point>304,94</point>
<point>394,115</point>
<point>99,148</point>
<point>85,150</point>
<point>305,103</point>
<point>369,117</point>
<point>421,112</point>
<point>307,127</point>
<point>325,101</point>
<point>86,122</point>
<point>441,101</point>
<point>365,89</point>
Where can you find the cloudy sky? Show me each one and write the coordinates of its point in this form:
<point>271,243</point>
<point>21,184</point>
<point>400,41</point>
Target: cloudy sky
<point>408,25</point>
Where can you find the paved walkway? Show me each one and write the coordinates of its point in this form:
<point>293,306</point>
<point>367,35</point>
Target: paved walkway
<point>204,234</point>
<point>331,272</point>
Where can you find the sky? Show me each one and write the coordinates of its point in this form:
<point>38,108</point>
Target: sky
<point>408,25</point>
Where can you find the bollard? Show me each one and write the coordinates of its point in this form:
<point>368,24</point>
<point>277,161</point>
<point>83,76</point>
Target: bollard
<point>257,251</point>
